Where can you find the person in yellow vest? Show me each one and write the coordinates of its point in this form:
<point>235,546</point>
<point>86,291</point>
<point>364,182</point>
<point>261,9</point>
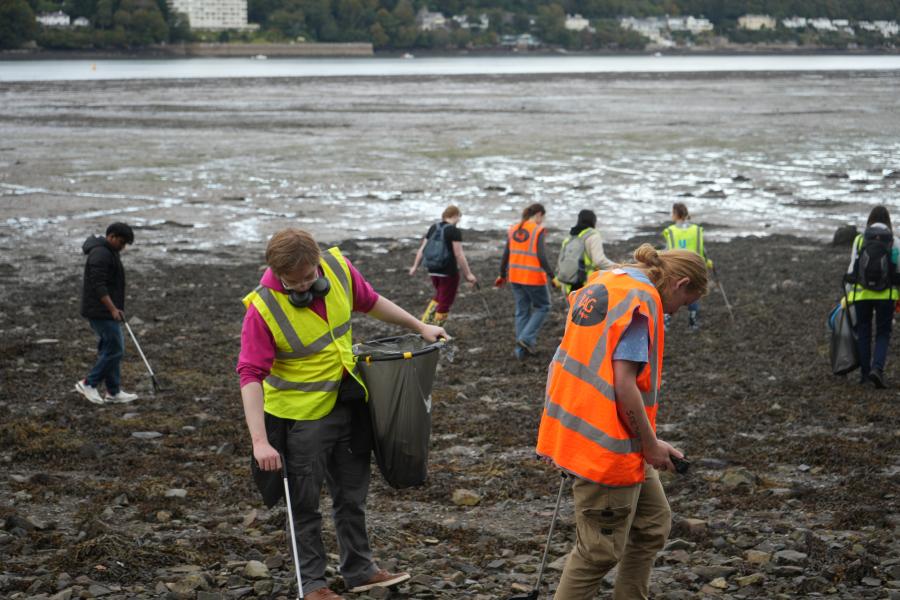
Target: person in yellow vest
<point>599,419</point>
<point>303,399</point>
<point>684,235</point>
<point>872,289</point>
<point>583,235</point>
<point>525,266</point>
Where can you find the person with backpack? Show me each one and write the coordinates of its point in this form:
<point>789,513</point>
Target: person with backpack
<point>683,235</point>
<point>872,287</point>
<point>581,254</point>
<point>443,255</point>
<point>599,418</point>
<point>524,264</point>
<point>103,305</point>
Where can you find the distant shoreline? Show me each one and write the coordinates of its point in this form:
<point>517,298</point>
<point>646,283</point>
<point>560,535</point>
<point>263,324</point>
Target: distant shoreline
<point>365,50</point>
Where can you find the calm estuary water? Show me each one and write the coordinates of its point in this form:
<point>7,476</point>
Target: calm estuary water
<point>218,68</point>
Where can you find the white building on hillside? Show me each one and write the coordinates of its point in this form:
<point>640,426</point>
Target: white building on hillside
<point>794,22</point>
<point>464,23</point>
<point>54,19</point>
<point>213,14</point>
<point>886,28</point>
<point>81,22</point>
<point>577,23</point>
<point>822,24</point>
<point>691,24</point>
<point>430,21</point>
<point>756,22</point>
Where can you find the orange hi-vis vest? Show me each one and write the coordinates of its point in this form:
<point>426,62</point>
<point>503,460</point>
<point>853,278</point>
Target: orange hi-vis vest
<point>580,429</point>
<point>524,264</point>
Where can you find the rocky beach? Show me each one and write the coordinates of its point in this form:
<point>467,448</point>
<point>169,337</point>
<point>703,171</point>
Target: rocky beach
<point>793,491</point>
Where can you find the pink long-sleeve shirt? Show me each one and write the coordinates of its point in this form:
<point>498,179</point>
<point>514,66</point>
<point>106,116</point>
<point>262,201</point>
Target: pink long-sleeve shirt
<point>258,344</point>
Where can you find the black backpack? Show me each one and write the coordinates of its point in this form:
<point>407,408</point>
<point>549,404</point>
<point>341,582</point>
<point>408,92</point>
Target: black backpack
<point>437,255</point>
<point>873,269</point>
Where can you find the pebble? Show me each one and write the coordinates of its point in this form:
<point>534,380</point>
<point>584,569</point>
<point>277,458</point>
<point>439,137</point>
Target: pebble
<point>146,435</point>
<point>464,497</point>
<point>255,569</point>
<point>176,493</point>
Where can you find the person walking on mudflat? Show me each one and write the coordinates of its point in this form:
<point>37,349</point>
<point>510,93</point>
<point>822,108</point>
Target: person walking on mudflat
<point>524,264</point>
<point>599,420</point>
<point>103,305</point>
<point>303,399</point>
<point>872,288</point>
<point>684,235</point>
<point>444,258</point>
<point>581,253</point>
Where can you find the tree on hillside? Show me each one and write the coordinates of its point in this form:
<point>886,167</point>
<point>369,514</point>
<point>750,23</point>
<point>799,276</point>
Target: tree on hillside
<point>17,24</point>
<point>551,24</point>
<point>142,22</point>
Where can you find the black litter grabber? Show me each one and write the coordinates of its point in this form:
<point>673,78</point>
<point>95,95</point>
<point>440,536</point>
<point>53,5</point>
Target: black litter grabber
<point>535,592</point>
<point>487,306</point>
<point>156,386</point>
<point>290,519</point>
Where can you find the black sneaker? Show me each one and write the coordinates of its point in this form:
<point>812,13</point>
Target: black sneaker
<point>877,377</point>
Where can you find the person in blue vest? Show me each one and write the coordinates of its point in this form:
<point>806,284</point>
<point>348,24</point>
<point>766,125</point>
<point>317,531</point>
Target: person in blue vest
<point>872,289</point>
<point>684,235</point>
<point>304,400</point>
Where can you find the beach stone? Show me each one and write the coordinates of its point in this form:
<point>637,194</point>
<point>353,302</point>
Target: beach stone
<point>65,594</point>
<point>558,564</point>
<point>736,477</point>
<point>176,493</point>
<point>693,528</point>
<point>749,580</point>
<point>719,583</point>
<point>791,557</point>
<point>96,590</point>
<point>256,570</point>
<point>263,587</point>
<point>464,497</point>
<point>209,596</point>
<point>757,557</point>
<point>844,235</point>
<point>146,435</point>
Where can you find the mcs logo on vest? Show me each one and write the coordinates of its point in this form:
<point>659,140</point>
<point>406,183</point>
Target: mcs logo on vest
<point>520,235</point>
<point>591,305</point>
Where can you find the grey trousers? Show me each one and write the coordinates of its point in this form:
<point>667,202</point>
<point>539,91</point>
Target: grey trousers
<point>318,451</point>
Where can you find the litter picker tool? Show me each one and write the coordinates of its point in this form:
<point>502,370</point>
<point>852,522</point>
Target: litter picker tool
<point>722,290</point>
<point>487,307</point>
<point>290,515</point>
<point>534,593</point>
<point>156,387</point>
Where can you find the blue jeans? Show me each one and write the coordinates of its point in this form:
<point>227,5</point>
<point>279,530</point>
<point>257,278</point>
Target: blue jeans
<point>532,307</point>
<point>884,318</point>
<point>110,349</point>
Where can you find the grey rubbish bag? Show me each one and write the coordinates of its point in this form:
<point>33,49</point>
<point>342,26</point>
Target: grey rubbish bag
<point>399,373</point>
<point>844,352</point>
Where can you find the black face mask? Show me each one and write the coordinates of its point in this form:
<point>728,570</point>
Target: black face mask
<point>319,289</point>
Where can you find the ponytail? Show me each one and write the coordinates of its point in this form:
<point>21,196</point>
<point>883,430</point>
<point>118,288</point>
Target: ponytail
<point>671,265</point>
<point>532,209</point>
<point>679,209</point>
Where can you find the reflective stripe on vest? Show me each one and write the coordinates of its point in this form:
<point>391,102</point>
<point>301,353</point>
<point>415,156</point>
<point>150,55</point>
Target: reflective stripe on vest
<point>858,292</point>
<point>580,428</point>
<point>684,238</point>
<point>524,265</point>
<point>311,354</point>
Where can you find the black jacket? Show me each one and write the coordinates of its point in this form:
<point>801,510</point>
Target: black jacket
<point>103,275</point>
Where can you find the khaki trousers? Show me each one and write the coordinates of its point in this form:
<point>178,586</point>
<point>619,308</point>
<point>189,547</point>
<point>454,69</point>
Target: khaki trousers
<point>625,526</point>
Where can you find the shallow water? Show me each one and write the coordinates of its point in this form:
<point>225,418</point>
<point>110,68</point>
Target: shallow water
<point>209,168</point>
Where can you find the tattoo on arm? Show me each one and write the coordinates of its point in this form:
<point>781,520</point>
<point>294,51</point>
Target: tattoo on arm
<point>633,422</point>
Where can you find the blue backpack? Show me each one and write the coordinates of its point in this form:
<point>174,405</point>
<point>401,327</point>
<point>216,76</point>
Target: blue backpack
<point>437,255</point>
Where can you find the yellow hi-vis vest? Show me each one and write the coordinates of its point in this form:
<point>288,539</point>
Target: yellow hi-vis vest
<point>311,354</point>
<point>685,238</point>
<point>856,292</point>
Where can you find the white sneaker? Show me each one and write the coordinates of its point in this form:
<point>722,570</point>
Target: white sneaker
<point>89,392</point>
<point>122,397</point>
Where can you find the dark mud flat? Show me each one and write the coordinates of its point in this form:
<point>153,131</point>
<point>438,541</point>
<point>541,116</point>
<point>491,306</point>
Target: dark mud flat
<point>793,492</point>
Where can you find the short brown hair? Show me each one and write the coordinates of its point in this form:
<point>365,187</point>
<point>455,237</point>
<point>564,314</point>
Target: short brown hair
<point>290,248</point>
<point>679,209</point>
<point>450,212</point>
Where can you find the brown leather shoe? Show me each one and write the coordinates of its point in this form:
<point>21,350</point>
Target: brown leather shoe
<point>381,579</point>
<point>323,594</point>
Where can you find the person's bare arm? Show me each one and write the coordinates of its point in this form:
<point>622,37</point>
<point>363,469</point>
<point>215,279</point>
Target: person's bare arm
<point>463,263</point>
<point>630,407</point>
<point>418,259</point>
<point>266,456</point>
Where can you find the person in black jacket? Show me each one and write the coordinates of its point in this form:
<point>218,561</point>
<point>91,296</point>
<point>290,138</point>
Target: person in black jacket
<point>102,304</point>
